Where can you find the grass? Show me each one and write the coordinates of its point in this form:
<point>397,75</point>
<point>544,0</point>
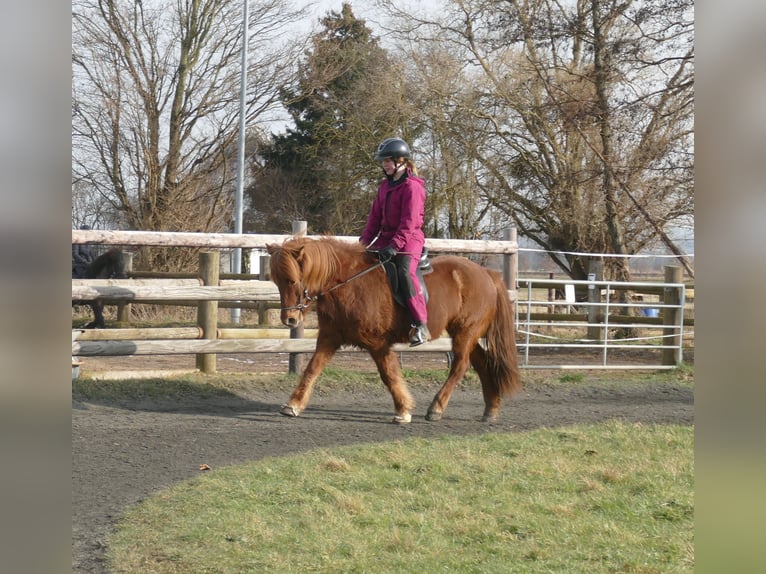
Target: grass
<point>340,379</point>
<point>241,384</point>
<point>613,497</point>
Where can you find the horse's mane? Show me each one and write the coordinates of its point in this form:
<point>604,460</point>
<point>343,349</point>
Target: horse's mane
<point>319,259</point>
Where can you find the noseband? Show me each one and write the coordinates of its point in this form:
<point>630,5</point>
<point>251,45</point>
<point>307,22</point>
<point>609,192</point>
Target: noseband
<point>303,303</point>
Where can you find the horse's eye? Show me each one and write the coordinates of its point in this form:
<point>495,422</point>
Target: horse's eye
<point>292,283</point>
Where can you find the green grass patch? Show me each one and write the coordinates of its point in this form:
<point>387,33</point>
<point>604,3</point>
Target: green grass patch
<point>173,388</point>
<point>572,378</point>
<point>340,379</point>
<point>242,384</point>
<point>613,497</point>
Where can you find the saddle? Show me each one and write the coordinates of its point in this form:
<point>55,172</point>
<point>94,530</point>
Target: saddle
<point>424,268</point>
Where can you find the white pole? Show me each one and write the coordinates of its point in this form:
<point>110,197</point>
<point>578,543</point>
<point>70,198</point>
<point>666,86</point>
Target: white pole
<point>236,261</point>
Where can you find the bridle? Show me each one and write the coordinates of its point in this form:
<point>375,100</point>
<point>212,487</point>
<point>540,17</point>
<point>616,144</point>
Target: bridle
<point>306,299</point>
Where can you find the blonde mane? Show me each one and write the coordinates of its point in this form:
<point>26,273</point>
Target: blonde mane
<point>315,261</point>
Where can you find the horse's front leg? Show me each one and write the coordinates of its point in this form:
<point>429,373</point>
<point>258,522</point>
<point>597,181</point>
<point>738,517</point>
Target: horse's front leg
<point>98,316</point>
<point>302,393</point>
<point>391,374</point>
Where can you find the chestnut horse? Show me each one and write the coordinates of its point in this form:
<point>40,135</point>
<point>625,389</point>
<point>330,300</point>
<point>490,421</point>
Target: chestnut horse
<point>355,306</point>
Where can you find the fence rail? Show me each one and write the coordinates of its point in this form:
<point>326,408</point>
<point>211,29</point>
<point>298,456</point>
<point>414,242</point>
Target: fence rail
<point>249,241</point>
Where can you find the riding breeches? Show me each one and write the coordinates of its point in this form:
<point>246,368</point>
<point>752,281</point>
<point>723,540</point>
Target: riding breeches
<point>406,269</point>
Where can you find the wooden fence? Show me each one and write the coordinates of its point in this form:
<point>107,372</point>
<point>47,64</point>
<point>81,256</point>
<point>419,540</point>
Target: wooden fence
<point>207,290</point>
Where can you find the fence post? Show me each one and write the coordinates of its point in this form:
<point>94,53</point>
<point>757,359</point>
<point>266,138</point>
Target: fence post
<point>263,275</point>
<point>295,362</point>
<point>595,273</point>
<point>551,293</point>
<point>551,299</point>
<point>510,260</point>
<point>123,308</point>
<point>207,311</point>
<point>672,317</point>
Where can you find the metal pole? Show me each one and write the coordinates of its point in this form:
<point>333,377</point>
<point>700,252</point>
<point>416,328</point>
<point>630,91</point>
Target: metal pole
<point>236,261</point>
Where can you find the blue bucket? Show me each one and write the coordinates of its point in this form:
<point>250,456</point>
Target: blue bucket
<point>651,312</point>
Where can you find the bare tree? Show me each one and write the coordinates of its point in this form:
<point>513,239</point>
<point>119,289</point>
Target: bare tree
<point>156,103</point>
<point>446,150</point>
<point>581,117</point>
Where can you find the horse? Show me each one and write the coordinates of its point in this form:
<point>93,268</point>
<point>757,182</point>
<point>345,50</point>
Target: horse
<point>109,265</point>
<point>355,306</point>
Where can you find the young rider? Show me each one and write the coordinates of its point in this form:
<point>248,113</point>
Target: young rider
<point>395,226</point>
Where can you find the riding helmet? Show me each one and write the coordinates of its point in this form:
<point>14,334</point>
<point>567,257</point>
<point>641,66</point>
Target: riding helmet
<point>393,148</point>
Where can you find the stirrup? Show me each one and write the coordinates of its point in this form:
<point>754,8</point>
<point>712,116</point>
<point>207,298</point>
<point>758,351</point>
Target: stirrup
<point>418,335</point>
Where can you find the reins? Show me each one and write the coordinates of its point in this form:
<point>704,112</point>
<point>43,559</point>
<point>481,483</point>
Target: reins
<point>308,299</point>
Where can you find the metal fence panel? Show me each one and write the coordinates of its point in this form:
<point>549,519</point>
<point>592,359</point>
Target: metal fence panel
<point>632,334</point>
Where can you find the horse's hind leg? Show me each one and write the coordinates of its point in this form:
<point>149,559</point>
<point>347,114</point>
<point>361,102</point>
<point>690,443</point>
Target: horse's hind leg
<point>302,393</point>
<point>391,375</point>
<point>460,363</point>
<point>489,389</point>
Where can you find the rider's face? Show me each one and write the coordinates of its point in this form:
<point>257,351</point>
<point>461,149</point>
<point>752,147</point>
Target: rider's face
<point>389,166</point>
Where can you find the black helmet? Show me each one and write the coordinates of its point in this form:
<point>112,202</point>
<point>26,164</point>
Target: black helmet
<point>392,148</point>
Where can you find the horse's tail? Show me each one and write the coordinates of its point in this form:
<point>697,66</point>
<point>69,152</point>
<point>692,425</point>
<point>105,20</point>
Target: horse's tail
<point>501,342</point>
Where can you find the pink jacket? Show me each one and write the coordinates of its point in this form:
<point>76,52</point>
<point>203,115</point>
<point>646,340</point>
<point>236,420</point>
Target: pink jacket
<point>397,216</point>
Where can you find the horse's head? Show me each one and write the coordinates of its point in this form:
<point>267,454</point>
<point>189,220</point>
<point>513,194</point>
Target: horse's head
<point>303,268</point>
<point>287,273</point>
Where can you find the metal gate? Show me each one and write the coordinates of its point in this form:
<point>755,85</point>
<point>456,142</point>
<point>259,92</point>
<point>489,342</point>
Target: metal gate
<point>645,331</point>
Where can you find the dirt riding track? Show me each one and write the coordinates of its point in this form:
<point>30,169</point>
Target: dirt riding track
<point>124,450</point>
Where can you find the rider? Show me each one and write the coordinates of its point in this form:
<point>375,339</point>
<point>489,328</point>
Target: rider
<point>395,227</point>
<point>82,256</point>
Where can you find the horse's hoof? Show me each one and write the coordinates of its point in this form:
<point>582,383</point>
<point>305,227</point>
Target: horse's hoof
<point>402,419</point>
<point>489,418</point>
<point>289,411</point>
<point>433,416</point>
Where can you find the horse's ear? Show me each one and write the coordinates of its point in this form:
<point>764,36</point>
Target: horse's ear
<point>271,248</point>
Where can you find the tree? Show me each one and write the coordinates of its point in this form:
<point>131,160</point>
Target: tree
<point>156,103</point>
<point>581,118</point>
<point>347,96</point>
<point>454,208</point>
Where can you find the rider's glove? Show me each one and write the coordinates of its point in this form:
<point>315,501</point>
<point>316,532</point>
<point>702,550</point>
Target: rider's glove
<point>387,253</point>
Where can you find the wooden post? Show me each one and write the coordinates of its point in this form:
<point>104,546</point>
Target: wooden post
<point>123,308</point>
<point>551,293</point>
<point>295,362</point>
<point>551,298</point>
<point>246,260</point>
<point>595,273</point>
<point>672,317</point>
<point>510,260</point>
<point>511,266</point>
<point>263,275</point>
<point>207,311</point>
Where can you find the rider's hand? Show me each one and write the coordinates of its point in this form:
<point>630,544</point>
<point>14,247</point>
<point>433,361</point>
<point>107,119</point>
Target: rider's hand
<point>387,253</point>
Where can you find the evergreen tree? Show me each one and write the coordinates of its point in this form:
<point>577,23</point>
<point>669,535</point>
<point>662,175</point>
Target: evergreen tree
<point>347,97</point>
